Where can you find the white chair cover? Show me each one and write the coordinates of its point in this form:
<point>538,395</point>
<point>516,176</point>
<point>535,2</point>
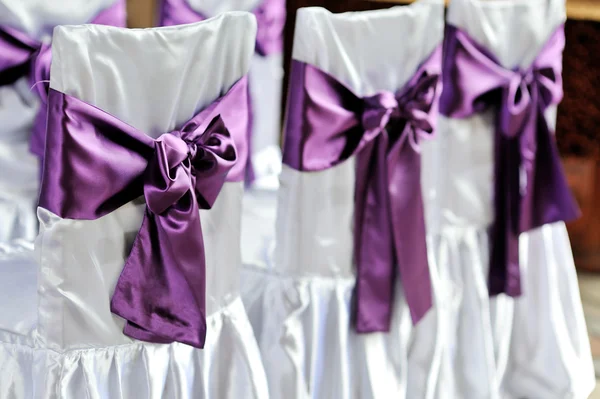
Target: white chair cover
<point>19,179</point>
<point>309,347</point>
<point>535,346</point>
<point>153,79</point>
<point>266,79</point>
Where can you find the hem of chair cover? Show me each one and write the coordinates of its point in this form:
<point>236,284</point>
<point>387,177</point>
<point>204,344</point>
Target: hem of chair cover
<point>230,309</point>
<point>309,346</point>
<point>229,367</point>
<point>286,297</point>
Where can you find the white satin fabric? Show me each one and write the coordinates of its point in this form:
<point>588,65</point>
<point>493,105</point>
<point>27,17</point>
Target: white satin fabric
<point>535,346</point>
<point>301,310</point>
<point>70,346</point>
<point>260,199</point>
<point>18,108</point>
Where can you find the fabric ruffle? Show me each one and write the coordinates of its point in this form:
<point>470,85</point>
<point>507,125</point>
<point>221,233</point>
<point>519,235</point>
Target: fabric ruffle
<point>468,346</point>
<point>228,367</point>
<point>500,347</point>
<point>310,348</point>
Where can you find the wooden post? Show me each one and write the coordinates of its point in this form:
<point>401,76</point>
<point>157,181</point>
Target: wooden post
<point>141,13</point>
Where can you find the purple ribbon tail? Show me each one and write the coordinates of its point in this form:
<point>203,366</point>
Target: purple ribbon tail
<point>373,247</point>
<point>408,227</point>
<point>156,285</point>
<point>504,272</point>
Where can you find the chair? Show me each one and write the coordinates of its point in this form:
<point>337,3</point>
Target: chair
<point>311,343</point>
<point>114,95</point>
<point>20,110</point>
<point>529,338</point>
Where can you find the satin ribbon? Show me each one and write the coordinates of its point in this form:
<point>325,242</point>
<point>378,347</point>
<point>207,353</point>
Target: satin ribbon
<point>270,17</point>
<point>530,187</point>
<point>326,124</point>
<point>21,56</point>
<point>97,163</point>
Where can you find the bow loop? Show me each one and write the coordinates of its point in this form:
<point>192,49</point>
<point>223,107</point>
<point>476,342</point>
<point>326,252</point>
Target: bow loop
<point>518,100</point>
<point>215,156</point>
<point>549,84</point>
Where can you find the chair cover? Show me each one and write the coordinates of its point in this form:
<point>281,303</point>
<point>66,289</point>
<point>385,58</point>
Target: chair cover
<point>266,74</point>
<point>19,106</point>
<point>76,347</point>
<point>309,346</point>
<point>534,345</point>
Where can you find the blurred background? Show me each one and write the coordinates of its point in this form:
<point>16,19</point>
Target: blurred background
<point>578,130</point>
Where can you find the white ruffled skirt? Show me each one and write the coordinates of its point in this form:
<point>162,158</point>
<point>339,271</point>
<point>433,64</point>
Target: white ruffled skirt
<point>468,346</point>
<point>228,367</point>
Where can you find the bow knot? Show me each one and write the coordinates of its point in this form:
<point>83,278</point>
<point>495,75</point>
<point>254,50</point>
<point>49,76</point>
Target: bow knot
<point>378,110</point>
<point>172,174</point>
<point>169,178</point>
<point>417,102</point>
<point>409,109</point>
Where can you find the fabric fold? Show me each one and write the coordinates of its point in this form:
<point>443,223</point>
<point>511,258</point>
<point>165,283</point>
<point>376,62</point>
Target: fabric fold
<point>326,124</point>
<point>530,188</point>
<point>96,163</point>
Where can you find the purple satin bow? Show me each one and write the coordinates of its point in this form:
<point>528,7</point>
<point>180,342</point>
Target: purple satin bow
<point>530,188</point>
<point>96,163</point>
<point>326,124</point>
<point>21,56</point>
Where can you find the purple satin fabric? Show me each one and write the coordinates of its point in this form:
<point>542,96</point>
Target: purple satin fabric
<point>326,124</point>
<point>96,163</point>
<point>530,187</point>
<point>22,56</point>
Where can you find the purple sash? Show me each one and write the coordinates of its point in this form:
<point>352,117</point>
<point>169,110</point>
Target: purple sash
<point>96,163</point>
<point>326,124</point>
<point>530,188</point>
<point>22,56</point>
<point>270,16</point>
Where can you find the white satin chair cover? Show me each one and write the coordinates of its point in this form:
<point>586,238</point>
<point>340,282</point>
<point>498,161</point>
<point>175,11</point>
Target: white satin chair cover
<point>535,346</point>
<point>260,200</point>
<point>153,79</point>
<point>19,179</point>
<point>302,316</point>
